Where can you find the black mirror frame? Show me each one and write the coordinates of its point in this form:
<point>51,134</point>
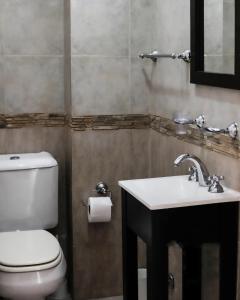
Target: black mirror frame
<point>198,76</point>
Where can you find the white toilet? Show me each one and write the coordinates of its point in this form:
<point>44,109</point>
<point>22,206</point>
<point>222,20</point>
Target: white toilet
<point>32,264</point>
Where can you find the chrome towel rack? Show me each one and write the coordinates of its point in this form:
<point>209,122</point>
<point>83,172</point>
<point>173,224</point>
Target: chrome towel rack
<point>155,55</point>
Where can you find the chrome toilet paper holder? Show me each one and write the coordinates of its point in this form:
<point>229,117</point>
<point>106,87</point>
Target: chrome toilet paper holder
<point>102,190</point>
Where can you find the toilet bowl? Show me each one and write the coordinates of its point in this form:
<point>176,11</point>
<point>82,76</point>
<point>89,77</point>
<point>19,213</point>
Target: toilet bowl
<point>32,265</point>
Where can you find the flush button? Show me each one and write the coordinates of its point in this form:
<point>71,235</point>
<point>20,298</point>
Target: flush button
<point>14,157</point>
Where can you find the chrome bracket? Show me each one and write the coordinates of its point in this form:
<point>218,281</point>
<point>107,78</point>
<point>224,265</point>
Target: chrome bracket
<point>199,121</point>
<point>102,190</point>
<point>232,130</point>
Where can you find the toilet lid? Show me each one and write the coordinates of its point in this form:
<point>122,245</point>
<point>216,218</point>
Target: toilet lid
<point>28,248</point>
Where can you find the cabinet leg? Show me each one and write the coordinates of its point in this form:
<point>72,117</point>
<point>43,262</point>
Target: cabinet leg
<point>228,272</point>
<point>228,253</point>
<point>130,263</point>
<point>157,271</point>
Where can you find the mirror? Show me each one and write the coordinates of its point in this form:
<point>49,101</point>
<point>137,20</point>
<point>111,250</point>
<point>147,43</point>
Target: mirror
<point>215,43</point>
<point>219,36</point>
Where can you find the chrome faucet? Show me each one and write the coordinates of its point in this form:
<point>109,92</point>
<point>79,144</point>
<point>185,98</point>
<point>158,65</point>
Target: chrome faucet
<point>202,172</point>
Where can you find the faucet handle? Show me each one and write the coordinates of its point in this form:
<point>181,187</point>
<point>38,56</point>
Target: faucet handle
<point>215,186</point>
<point>193,174</point>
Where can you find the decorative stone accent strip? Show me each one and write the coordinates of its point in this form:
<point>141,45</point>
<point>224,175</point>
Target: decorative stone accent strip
<point>32,120</point>
<point>110,122</point>
<point>220,143</point>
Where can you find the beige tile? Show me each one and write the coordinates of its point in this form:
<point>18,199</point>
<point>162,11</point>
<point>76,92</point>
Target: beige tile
<point>140,153</point>
<point>100,86</point>
<point>141,85</point>
<point>100,27</point>
<point>1,84</point>
<point>32,27</point>
<point>143,26</point>
<point>172,25</point>
<point>98,155</point>
<point>33,84</point>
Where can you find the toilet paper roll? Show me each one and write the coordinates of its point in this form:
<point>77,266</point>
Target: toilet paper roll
<point>99,209</point>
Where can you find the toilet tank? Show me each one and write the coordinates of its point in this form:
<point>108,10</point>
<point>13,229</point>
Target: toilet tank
<point>28,191</point>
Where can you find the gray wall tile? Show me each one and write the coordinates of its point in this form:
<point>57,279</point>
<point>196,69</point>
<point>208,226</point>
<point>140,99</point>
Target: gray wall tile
<point>100,86</point>
<point>33,84</point>
<point>104,156</point>
<point>141,85</point>
<point>32,26</point>
<point>172,31</point>
<point>100,27</point>
<point>97,156</point>
<point>1,86</point>
<point>143,26</point>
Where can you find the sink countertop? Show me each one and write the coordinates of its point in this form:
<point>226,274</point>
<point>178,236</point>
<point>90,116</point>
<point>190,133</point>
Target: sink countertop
<point>174,191</point>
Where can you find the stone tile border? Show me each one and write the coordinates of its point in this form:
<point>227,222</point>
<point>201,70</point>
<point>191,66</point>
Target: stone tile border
<point>219,143</point>
<point>101,122</point>
<point>110,122</point>
<point>32,120</point>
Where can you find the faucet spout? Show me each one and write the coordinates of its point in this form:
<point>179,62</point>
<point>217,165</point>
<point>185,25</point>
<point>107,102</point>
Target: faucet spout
<point>202,171</point>
<point>180,159</point>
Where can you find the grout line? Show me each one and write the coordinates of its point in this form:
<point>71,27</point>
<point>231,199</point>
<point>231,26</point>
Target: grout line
<point>33,55</point>
<point>98,56</point>
<point>130,54</point>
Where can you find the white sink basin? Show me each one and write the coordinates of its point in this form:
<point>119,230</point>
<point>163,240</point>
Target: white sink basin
<point>174,191</point>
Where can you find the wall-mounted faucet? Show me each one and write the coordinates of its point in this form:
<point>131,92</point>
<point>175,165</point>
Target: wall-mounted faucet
<point>202,172</point>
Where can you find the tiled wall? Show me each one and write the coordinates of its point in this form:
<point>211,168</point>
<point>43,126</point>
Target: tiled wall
<point>109,78</point>
<point>104,35</point>
<point>32,79</point>
<point>31,56</point>
<point>108,156</point>
<point>105,80</point>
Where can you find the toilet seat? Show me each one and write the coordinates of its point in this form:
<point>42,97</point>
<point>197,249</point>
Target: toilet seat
<point>28,251</point>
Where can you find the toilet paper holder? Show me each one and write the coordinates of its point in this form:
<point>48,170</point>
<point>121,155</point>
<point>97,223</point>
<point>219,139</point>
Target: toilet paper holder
<point>102,190</point>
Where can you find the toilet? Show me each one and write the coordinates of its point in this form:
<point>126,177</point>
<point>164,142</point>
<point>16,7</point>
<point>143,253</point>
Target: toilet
<point>32,264</point>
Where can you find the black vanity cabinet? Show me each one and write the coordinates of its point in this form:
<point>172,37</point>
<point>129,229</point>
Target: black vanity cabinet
<point>189,226</point>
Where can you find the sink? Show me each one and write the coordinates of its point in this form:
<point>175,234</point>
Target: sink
<point>174,191</point>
